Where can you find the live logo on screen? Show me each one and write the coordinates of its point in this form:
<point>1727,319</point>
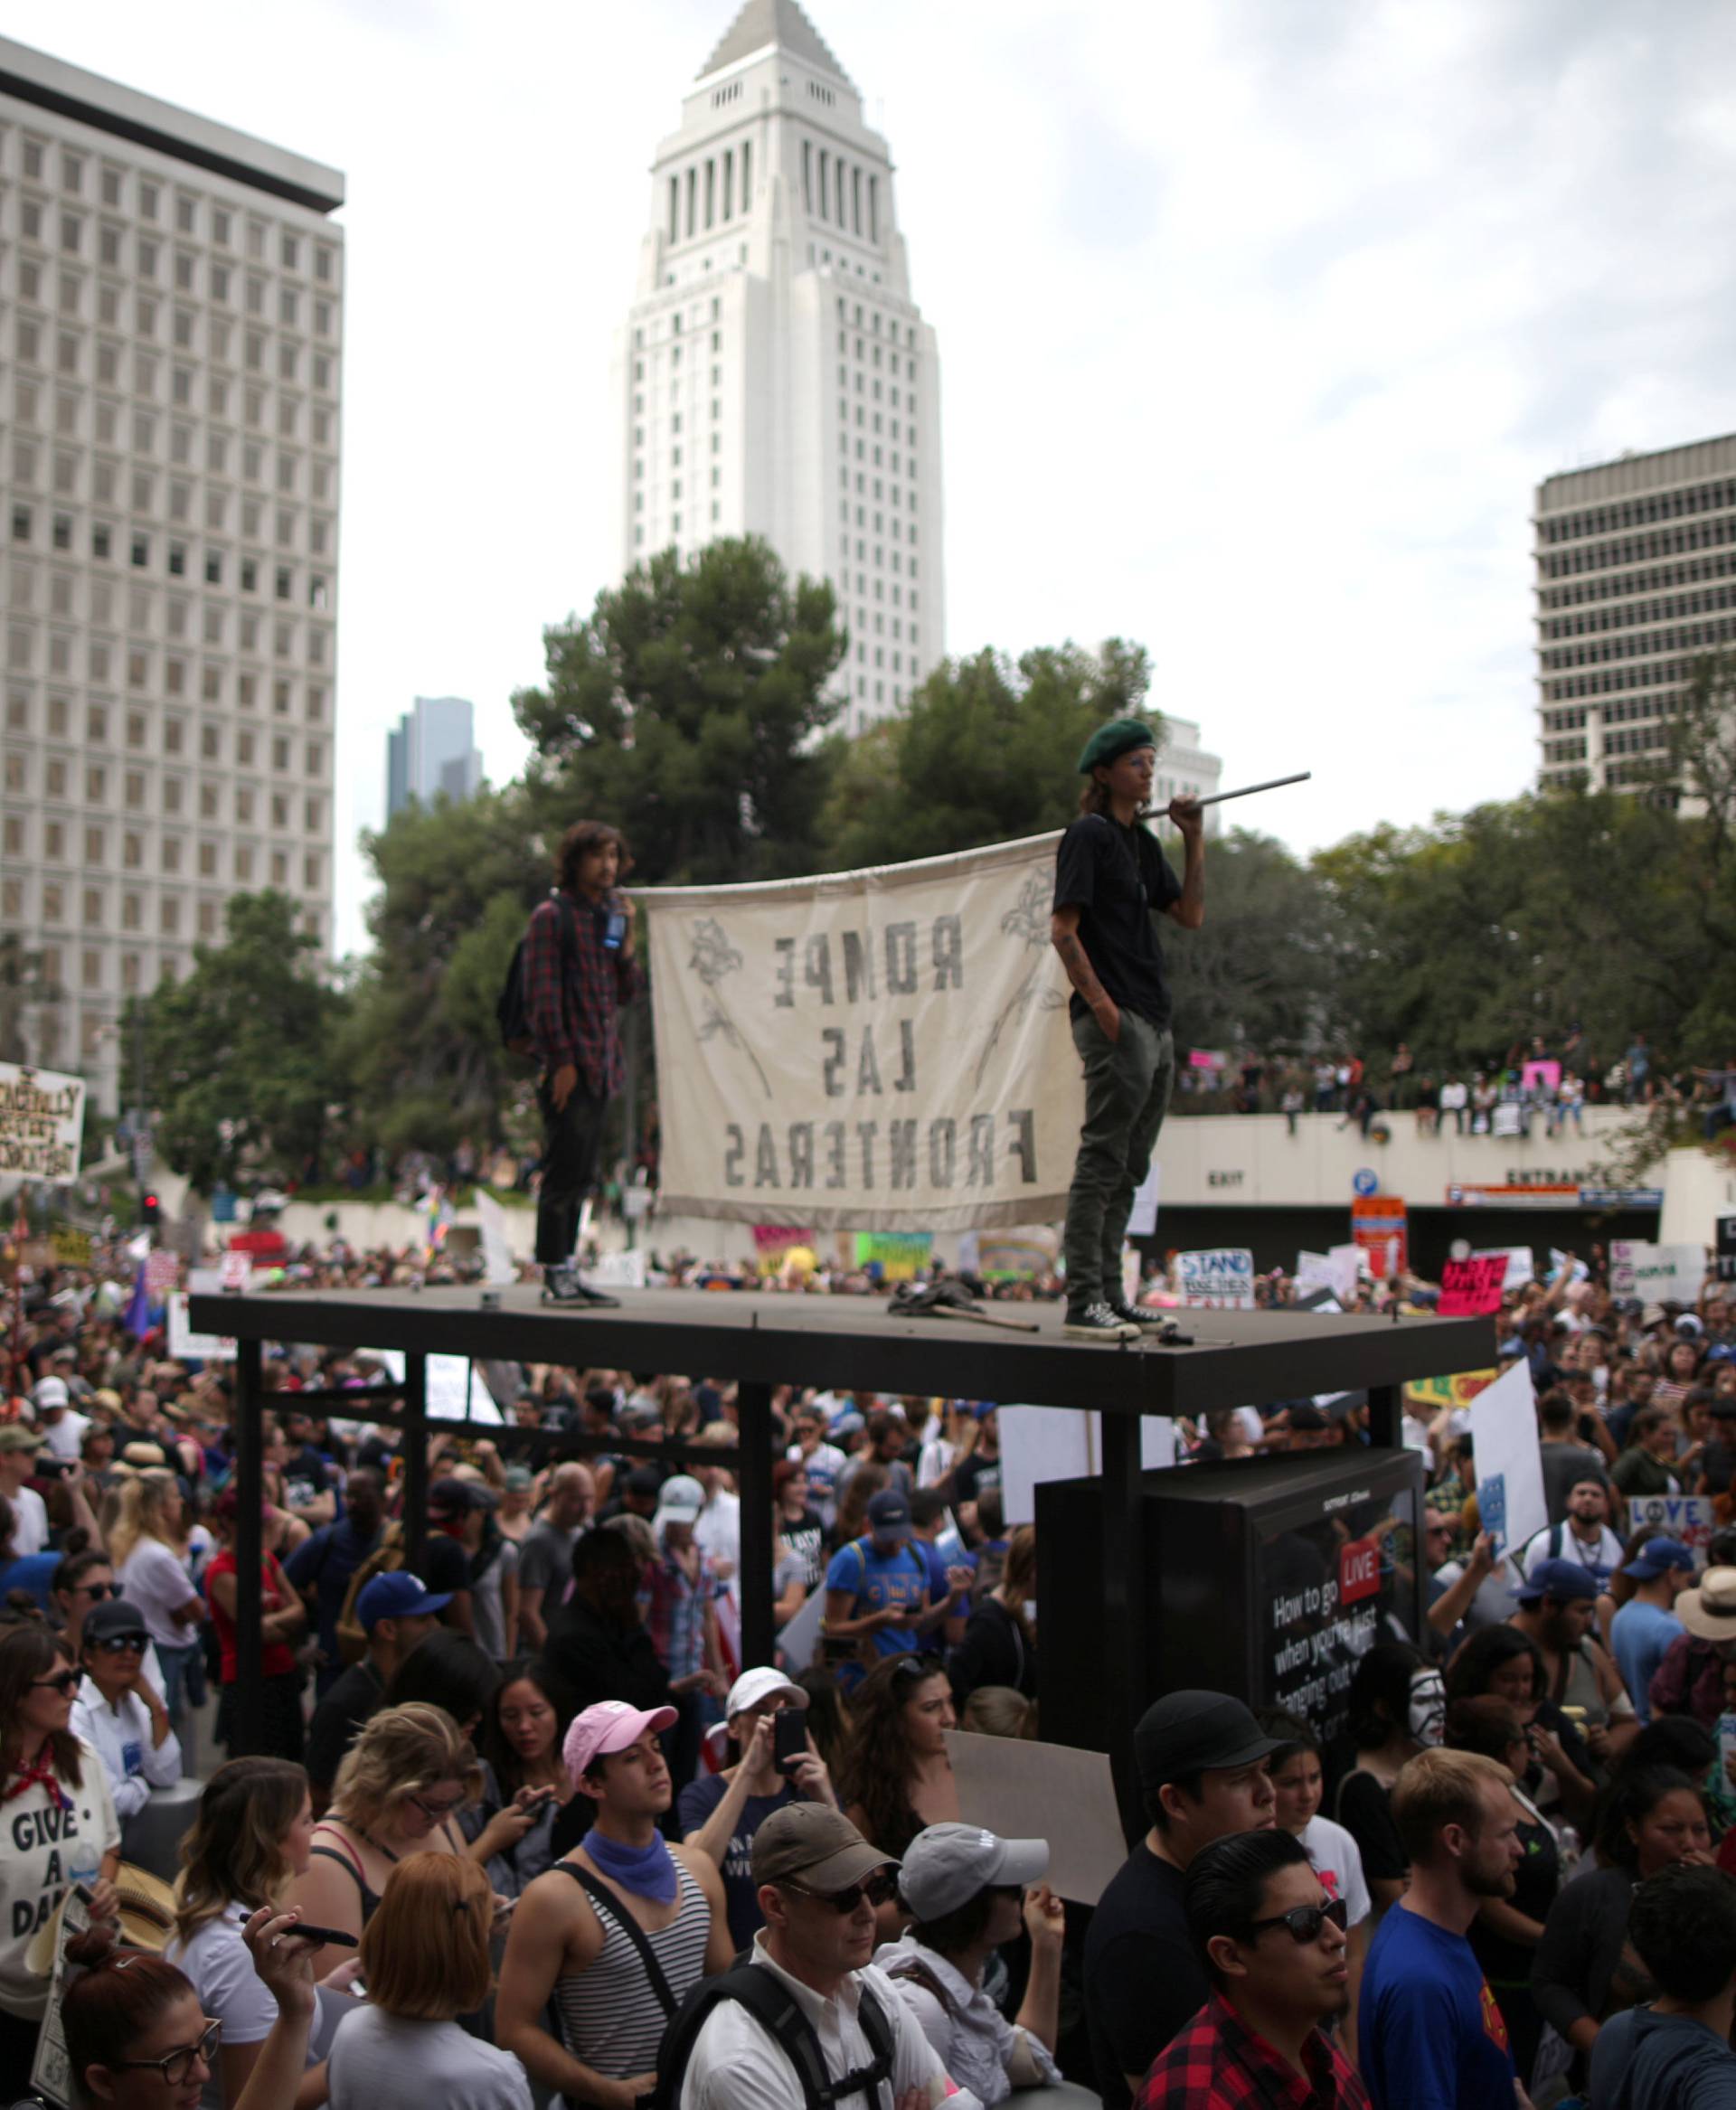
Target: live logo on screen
<point>1359,1570</point>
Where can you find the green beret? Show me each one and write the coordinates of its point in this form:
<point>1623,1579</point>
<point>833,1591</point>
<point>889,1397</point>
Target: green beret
<point>1109,742</point>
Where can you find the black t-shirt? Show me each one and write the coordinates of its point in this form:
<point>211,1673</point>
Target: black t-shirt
<point>445,1565</point>
<point>1143,1979</point>
<point>971,1476</point>
<point>353,1697</point>
<point>1119,879</point>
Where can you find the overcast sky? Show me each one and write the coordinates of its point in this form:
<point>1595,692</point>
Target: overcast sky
<point>1258,321</point>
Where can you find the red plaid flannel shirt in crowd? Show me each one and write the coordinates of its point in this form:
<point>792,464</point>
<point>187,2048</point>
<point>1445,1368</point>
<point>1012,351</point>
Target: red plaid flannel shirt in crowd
<point>1219,2063</point>
<point>574,1005</point>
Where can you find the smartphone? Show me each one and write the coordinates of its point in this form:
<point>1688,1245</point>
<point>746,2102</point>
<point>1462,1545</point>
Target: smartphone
<point>789,1735</point>
<point>305,1931</point>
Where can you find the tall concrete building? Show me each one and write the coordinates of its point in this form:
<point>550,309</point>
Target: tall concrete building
<point>774,376</point>
<point>431,751</point>
<point>171,320</point>
<point>1635,580</point>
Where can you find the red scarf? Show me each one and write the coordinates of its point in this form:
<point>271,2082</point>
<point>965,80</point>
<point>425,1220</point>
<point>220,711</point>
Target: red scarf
<point>39,1774</point>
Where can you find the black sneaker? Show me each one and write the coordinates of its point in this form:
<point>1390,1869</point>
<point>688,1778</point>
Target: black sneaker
<point>1146,1320</point>
<point>561,1286</point>
<point>1099,1322</point>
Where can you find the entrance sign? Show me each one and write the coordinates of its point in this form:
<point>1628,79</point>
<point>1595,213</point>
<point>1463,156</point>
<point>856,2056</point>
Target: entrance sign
<point>867,1050</point>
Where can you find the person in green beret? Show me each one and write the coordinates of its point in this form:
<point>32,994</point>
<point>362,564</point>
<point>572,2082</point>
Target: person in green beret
<point>1111,882</point>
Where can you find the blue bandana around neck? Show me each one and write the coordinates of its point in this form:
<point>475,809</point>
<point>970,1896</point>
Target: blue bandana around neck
<point>648,1872</point>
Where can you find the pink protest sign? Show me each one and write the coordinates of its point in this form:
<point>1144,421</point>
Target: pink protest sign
<point>1471,1289</point>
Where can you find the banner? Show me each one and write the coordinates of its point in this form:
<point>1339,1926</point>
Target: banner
<point>1221,1279</point>
<point>1429,1395</point>
<point>868,1048</point>
<point>1010,1256</point>
<point>1471,1288</point>
<point>1686,1517</point>
<point>1656,1274</point>
<point>41,1122</point>
<point>773,1243</point>
<point>896,1255</point>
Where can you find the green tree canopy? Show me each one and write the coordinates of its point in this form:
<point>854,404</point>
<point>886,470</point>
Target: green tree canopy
<point>684,710</point>
<point>1263,970</point>
<point>987,750</point>
<point>240,1057</point>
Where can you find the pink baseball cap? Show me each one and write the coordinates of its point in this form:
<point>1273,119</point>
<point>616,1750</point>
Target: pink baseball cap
<point>611,1725</point>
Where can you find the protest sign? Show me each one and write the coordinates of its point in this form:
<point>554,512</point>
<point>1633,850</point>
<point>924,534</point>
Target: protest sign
<point>1471,1288</point>
<point>1142,1218</point>
<point>1429,1395</point>
<point>42,1123</point>
<point>867,1050</point>
<point>235,1269</point>
<point>1656,1274</point>
<point>800,1638</point>
<point>70,1246</point>
<point>896,1255</point>
<point>1015,1255</point>
<point>1686,1517</point>
<point>1520,1263</point>
<point>1063,1443</point>
<point>773,1242</point>
<point>1727,1248</point>
<point>1022,1790</point>
<point>497,1268</point>
<point>1378,1225</point>
<point>184,1343</point>
<point>51,2073</point>
<point>1219,1279</point>
<point>1503,1444</point>
<point>1338,1269</point>
<point>454,1393</point>
<point>623,1270</point>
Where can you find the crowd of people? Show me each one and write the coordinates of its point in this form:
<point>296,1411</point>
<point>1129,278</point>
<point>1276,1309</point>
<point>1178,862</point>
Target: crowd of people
<point>551,1836</point>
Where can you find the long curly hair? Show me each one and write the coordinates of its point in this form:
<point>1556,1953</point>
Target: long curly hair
<point>578,841</point>
<point>878,1769</point>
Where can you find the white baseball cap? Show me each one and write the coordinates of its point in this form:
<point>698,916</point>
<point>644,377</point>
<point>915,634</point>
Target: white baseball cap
<point>49,1392</point>
<point>680,1501</point>
<point>753,1686</point>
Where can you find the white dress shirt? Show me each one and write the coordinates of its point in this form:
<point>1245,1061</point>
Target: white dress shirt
<point>120,1735</point>
<point>737,2065</point>
<point>972,2038</point>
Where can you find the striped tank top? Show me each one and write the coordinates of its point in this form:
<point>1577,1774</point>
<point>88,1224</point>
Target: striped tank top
<point>610,2018</point>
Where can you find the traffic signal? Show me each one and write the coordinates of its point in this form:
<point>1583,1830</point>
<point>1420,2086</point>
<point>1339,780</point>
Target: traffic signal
<point>152,1212</point>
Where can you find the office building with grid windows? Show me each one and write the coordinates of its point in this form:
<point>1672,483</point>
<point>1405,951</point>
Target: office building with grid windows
<point>171,319</point>
<point>774,376</point>
<point>1636,580</point>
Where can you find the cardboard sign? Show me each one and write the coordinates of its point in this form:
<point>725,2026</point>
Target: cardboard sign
<point>1686,1517</point>
<point>42,1123</point>
<point>184,1343</point>
<point>1504,1445</point>
<point>1219,1279</point>
<point>1471,1288</point>
<point>1021,1790</point>
<point>51,2075</point>
<point>1520,1263</point>
<point>1656,1274</point>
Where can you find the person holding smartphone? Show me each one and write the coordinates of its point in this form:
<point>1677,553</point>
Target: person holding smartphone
<point>579,975</point>
<point>775,1764</point>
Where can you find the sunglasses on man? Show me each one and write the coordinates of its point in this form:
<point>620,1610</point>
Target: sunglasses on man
<point>880,1888</point>
<point>1305,1921</point>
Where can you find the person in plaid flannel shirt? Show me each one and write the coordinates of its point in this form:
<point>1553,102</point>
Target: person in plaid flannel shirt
<point>1276,1947</point>
<point>579,972</point>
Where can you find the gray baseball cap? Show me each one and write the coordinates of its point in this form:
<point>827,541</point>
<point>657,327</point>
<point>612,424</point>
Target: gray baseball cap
<point>946,1866</point>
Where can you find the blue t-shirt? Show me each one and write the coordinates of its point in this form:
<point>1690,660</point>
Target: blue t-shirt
<point>699,1798</point>
<point>1431,2035</point>
<point>323,1562</point>
<point>876,1579</point>
<point>33,1572</point>
<point>1639,1635</point>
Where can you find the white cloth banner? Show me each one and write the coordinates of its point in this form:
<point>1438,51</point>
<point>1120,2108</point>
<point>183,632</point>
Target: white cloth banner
<point>42,1123</point>
<point>884,1050</point>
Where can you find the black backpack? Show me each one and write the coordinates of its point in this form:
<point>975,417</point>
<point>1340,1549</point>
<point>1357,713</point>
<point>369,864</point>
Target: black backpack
<point>511,1007</point>
<point>771,2001</point>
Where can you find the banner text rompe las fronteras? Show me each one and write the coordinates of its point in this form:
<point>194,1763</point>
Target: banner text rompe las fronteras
<point>883,1049</point>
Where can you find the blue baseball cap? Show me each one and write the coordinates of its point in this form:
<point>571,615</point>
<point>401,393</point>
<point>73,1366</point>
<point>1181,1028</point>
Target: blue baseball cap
<point>1657,1557</point>
<point>1560,1580</point>
<point>397,1595</point>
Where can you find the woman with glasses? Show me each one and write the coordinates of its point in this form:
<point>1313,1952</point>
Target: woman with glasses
<point>399,1792</point>
<point>425,1960</point>
<point>57,1826</point>
<point>249,1841</point>
<point>968,1893</point>
<point>896,1777</point>
<point>138,2037</point>
<point>142,1544</point>
<point>80,1581</point>
<point>119,1713</point>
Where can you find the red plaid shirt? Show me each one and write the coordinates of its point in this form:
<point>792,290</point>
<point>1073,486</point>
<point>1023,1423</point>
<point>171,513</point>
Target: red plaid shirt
<point>575,1004</point>
<point>1219,2063</point>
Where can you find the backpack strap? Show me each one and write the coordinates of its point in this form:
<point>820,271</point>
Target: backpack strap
<point>773,2006</point>
<point>917,1973</point>
<point>610,1909</point>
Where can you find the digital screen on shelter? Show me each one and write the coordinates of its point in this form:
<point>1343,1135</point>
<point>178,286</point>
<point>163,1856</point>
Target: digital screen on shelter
<point>1328,1589</point>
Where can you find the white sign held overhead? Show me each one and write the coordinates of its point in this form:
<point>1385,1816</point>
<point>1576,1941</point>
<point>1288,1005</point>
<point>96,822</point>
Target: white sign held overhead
<point>42,1123</point>
<point>1656,1274</point>
<point>1520,1264</point>
<point>1503,1446</point>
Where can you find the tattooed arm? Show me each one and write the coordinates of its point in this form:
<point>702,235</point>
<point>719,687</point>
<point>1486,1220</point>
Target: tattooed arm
<point>1063,935</point>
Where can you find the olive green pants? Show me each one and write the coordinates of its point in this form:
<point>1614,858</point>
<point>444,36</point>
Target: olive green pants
<point>1127,1083</point>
